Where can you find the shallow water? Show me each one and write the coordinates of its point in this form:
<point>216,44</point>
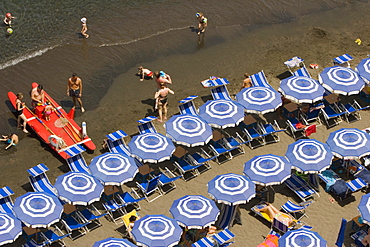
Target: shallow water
<point>46,45</point>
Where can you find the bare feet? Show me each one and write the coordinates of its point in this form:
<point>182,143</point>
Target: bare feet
<point>25,131</point>
<point>82,109</point>
<point>159,120</point>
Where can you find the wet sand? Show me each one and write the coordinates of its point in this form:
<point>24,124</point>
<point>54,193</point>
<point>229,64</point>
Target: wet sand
<point>128,100</point>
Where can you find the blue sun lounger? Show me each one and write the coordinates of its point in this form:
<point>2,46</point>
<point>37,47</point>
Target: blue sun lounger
<point>300,187</point>
<point>342,60</point>
<point>224,238</point>
<point>204,242</point>
<point>116,144</point>
<point>259,80</point>
<point>220,92</point>
<point>39,181</point>
<point>187,105</point>
<point>293,208</point>
<point>6,203</point>
<point>294,62</point>
<point>146,125</point>
<point>215,82</point>
<point>74,150</point>
<point>302,72</point>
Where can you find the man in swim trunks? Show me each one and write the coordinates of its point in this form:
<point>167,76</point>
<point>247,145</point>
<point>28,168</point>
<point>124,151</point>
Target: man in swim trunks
<point>145,73</point>
<point>161,101</point>
<point>37,96</point>
<point>162,77</point>
<point>74,89</point>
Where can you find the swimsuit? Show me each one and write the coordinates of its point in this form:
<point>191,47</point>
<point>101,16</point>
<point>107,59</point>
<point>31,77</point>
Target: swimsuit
<point>48,112</point>
<point>19,112</point>
<point>163,100</point>
<point>8,141</point>
<point>74,93</point>
<point>150,74</point>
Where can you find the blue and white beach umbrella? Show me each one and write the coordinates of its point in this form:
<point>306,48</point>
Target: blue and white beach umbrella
<point>78,188</point>
<point>364,208</point>
<point>38,209</point>
<point>222,113</point>
<point>341,80</point>
<point>301,89</point>
<point>259,100</point>
<point>188,130</point>
<point>114,242</point>
<point>302,238</point>
<point>268,169</point>
<point>10,228</point>
<point>309,155</point>
<point>194,211</point>
<point>156,231</point>
<point>231,189</point>
<point>151,147</point>
<point>349,143</point>
<point>363,68</point>
<point>113,168</point>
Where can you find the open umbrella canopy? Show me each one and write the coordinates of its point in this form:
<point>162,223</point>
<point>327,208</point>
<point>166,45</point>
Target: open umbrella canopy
<point>78,188</point>
<point>113,168</point>
<point>188,130</point>
<point>114,242</point>
<point>231,189</point>
<point>301,89</point>
<point>364,208</point>
<point>268,169</point>
<point>302,238</point>
<point>38,209</point>
<point>309,155</point>
<point>363,68</point>
<point>156,231</point>
<point>10,228</point>
<point>222,113</point>
<point>151,147</point>
<point>341,80</point>
<point>349,143</point>
<point>194,211</point>
<point>259,100</point>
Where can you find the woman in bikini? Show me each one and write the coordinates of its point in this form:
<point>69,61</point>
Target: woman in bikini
<point>19,106</point>
<point>273,212</point>
<point>161,101</point>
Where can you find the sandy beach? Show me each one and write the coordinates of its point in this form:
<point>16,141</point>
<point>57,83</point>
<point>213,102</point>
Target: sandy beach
<point>311,37</point>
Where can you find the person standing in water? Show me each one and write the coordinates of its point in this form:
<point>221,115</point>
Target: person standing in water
<point>203,22</point>
<point>74,89</point>
<point>84,27</point>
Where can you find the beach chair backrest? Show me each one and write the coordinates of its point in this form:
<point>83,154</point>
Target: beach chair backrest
<point>259,80</point>
<point>41,183</point>
<point>114,136</point>
<point>220,92</point>
<point>152,185</point>
<point>118,146</point>
<point>74,150</point>
<point>223,236</point>
<point>78,164</point>
<point>5,192</point>
<point>294,62</point>
<point>6,205</point>
<point>38,170</point>
<point>302,72</point>
<point>341,234</point>
<point>146,125</point>
<point>342,59</point>
<point>188,108</point>
<point>204,242</point>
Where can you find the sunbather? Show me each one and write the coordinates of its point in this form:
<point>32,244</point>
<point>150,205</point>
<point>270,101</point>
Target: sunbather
<point>11,139</point>
<point>273,212</point>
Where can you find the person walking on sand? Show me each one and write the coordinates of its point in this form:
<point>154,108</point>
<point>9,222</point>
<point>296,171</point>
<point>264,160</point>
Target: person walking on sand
<point>19,106</point>
<point>37,96</point>
<point>203,22</point>
<point>145,73</point>
<point>74,90</point>
<point>161,101</point>
<point>246,82</point>
<point>162,77</point>
<point>11,139</point>
<point>84,27</point>
<point>8,19</point>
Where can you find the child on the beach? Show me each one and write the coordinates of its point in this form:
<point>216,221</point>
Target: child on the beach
<point>84,27</point>
<point>8,19</point>
<point>203,22</point>
<point>145,73</point>
<point>48,110</point>
<point>11,139</point>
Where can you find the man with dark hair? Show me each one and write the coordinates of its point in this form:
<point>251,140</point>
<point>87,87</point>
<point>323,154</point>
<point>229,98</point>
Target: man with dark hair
<point>37,96</point>
<point>74,89</point>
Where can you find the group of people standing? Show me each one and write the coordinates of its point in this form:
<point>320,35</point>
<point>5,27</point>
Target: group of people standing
<point>162,79</point>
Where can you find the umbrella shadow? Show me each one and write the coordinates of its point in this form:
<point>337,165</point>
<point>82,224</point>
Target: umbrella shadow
<point>206,98</point>
<point>284,75</point>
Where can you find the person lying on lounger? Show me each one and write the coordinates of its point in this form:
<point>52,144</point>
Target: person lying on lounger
<point>273,212</point>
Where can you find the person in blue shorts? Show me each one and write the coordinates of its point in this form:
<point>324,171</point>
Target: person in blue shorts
<point>11,139</point>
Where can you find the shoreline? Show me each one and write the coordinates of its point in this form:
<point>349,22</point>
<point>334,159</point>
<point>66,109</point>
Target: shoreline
<point>127,100</point>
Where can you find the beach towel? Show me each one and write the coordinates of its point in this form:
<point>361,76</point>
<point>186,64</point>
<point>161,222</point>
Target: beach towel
<point>310,130</point>
<point>271,241</point>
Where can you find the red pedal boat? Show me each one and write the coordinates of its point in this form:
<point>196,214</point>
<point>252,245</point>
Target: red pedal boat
<point>60,132</point>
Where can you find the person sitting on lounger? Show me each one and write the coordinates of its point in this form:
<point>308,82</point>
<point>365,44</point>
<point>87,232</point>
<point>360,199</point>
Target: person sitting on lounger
<point>247,82</point>
<point>273,212</point>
